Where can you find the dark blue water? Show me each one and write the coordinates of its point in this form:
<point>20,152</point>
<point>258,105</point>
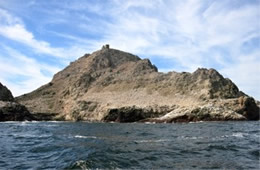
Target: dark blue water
<point>61,145</point>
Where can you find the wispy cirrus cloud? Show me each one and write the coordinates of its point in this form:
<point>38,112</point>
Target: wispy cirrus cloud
<point>21,73</point>
<point>14,29</point>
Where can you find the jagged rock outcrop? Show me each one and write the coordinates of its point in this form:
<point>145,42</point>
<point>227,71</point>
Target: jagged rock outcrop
<point>134,114</point>
<point>11,110</point>
<point>111,85</point>
<point>5,94</point>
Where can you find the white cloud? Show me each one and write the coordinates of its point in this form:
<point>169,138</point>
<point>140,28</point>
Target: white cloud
<point>245,73</point>
<point>28,71</point>
<point>23,74</point>
<point>13,28</point>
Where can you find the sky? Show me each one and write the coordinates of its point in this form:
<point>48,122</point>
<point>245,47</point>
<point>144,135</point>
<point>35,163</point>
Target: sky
<point>38,38</point>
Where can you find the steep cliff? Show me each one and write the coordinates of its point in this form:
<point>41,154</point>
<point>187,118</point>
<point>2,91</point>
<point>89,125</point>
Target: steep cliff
<point>112,85</point>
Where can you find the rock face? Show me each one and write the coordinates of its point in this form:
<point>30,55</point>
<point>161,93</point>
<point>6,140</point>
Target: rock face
<point>111,85</point>
<point>5,94</point>
<point>10,110</point>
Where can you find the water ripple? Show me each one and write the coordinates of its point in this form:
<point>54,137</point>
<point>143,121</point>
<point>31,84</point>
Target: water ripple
<point>81,145</point>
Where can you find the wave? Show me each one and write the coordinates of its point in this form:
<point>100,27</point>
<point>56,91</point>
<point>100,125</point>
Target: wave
<point>190,137</point>
<point>18,122</point>
<point>8,122</point>
<point>149,123</point>
<point>238,135</point>
<point>198,122</point>
<point>30,136</point>
<point>153,141</point>
<point>85,137</point>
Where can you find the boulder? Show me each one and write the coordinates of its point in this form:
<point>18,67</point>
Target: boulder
<point>248,108</point>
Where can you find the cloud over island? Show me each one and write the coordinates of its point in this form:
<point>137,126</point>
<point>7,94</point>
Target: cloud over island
<point>39,38</point>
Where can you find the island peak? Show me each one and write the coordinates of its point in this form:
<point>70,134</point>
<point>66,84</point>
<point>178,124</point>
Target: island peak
<point>113,85</point>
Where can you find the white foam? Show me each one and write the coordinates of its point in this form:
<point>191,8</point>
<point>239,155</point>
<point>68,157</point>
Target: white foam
<point>190,137</point>
<point>149,122</point>
<point>238,135</point>
<point>49,125</point>
<point>26,122</point>
<point>9,122</point>
<point>198,122</point>
<point>30,135</point>
<point>86,137</point>
<point>152,141</point>
<point>55,121</point>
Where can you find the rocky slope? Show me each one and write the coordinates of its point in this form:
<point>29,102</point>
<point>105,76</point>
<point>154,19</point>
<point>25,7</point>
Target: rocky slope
<point>111,85</point>
<point>11,110</point>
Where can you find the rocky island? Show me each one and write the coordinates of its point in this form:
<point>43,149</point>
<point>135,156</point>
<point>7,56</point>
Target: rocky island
<point>11,110</point>
<point>112,85</point>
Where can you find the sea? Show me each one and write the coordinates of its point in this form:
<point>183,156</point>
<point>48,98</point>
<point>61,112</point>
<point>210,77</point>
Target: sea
<point>84,145</point>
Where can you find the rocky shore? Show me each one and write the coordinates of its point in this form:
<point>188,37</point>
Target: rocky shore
<point>11,110</point>
<point>112,85</point>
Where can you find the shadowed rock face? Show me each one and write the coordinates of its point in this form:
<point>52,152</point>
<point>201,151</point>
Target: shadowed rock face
<point>134,114</point>
<point>112,85</point>
<point>248,108</point>
<point>5,94</point>
<point>10,110</point>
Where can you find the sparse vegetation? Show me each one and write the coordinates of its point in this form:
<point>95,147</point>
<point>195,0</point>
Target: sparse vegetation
<point>91,87</point>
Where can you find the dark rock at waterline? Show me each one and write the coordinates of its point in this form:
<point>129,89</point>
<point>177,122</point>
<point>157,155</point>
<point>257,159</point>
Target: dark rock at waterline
<point>11,111</point>
<point>134,114</point>
<point>248,108</point>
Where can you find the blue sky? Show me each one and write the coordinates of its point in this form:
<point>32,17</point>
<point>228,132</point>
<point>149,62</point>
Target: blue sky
<point>40,37</point>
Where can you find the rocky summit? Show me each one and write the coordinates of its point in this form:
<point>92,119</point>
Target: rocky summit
<point>112,85</point>
<point>11,110</point>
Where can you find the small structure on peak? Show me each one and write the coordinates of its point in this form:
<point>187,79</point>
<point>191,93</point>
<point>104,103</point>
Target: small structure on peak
<point>106,46</point>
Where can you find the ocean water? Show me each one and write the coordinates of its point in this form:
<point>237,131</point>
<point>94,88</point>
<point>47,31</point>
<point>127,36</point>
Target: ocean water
<point>82,145</point>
